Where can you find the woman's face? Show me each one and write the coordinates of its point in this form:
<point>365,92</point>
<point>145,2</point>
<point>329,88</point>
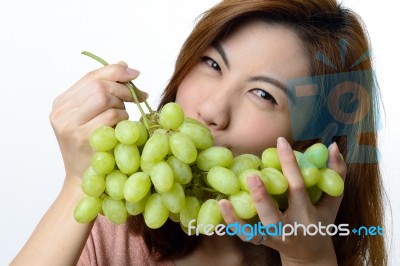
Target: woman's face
<point>238,88</point>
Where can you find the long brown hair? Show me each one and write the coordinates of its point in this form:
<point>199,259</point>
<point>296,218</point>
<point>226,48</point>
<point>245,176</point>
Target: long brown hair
<point>321,25</point>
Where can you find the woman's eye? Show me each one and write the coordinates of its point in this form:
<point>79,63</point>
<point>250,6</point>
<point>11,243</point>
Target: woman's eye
<point>265,95</point>
<point>211,62</point>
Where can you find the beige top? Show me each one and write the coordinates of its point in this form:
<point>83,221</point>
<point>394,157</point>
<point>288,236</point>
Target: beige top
<point>110,244</point>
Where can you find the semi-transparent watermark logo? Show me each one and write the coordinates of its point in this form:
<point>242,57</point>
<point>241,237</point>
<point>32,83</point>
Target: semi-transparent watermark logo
<point>283,231</point>
<point>336,105</point>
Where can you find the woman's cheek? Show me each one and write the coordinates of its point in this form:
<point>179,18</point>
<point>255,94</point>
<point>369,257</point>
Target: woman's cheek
<point>255,137</point>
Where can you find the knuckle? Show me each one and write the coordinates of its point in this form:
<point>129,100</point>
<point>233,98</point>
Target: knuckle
<point>56,101</point>
<point>116,71</point>
<point>53,116</point>
<point>98,87</point>
<point>94,74</point>
<point>297,187</point>
<point>112,114</point>
<point>102,99</point>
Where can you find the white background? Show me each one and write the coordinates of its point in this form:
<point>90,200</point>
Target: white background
<point>40,57</point>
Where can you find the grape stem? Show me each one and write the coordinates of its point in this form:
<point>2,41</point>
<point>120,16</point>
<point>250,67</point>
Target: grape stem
<point>208,189</point>
<point>132,88</point>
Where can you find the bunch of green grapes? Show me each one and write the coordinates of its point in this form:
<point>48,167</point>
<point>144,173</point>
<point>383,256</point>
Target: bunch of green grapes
<point>167,167</point>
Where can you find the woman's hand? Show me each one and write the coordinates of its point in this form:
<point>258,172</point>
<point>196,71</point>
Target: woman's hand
<point>300,249</point>
<point>95,100</point>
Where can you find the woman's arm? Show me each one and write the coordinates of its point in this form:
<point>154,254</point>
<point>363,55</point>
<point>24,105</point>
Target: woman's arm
<point>58,239</point>
<point>95,100</point>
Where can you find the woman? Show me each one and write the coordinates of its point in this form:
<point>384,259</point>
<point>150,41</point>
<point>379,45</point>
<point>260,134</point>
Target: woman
<point>233,74</point>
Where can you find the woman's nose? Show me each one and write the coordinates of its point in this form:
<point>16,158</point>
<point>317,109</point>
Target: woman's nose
<point>215,110</point>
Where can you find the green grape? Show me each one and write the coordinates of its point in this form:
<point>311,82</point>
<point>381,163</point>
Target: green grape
<point>199,134</point>
<point>174,199</point>
<point>189,211</point>
<point>115,182</point>
<point>242,177</point>
<point>137,187</point>
<point>317,154</point>
<point>171,116</point>
<point>193,121</point>
<point>214,156</point>
<point>146,166</point>
<point>309,172</point>
<point>270,159</point>
<point>299,155</point>
<point>135,208</point>
<point>160,131</point>
<point>182,147</point>
<point>182,172</point>
<point>87,209</point>
<point>127,132</point>
<point>239,164</point>
<point>243,205</point>
<point>174,217</point>
<point>155,213</point>
<point>114,210</point>
<point>223,180</point>
<point>162,176</point>
<point>102,162</point>
<point>331,182</point>
<point>256,160</point>
<point>92,183</point>
<point>276,181</point>
<point>314,193</point>
<point>127,158</point>
<point>90,171</point>
<point>186,230</point>
<point>209,216</point>
<point>143,134</point>
<point>103,139</point>
<point>156,148</point>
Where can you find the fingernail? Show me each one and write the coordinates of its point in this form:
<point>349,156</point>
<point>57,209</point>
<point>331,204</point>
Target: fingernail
<point>335,149</point>
<point>283,144</point>
<point>132,71</point>
<point>123,63</point>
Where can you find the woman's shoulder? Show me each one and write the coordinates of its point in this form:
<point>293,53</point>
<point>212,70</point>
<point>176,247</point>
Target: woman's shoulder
<point>111,244</point>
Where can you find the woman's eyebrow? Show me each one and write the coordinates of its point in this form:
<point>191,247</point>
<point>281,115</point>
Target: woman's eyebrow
<point>221,52</point>
<point>269,80</point>
<point>218,47</point>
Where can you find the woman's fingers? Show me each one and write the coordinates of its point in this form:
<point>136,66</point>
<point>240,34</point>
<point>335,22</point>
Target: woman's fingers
<point>266,209</point>
<point>91,101</point>
<point>267,212</point>
<point>96,105</point>
<point>242,231</point>
<point>336,163</point>
<point>109,117</point>
<point>297,195</point>
<point>116,74</point>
